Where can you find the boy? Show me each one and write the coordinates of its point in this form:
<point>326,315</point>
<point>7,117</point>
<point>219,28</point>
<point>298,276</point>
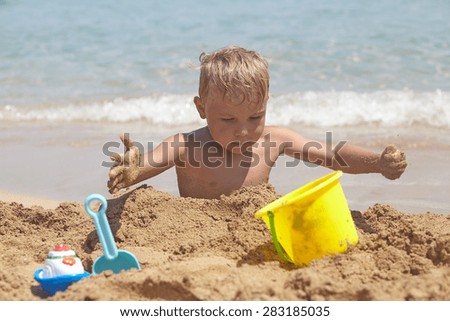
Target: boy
<point>236,148</point>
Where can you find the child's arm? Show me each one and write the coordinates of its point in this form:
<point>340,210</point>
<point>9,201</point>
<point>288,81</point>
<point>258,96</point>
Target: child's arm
<point>131,168</point>
<point>391,163</point>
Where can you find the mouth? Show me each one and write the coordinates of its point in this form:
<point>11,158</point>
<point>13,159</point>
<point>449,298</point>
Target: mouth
<point>242,146</point>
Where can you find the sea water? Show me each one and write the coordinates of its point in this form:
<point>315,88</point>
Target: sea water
<point>84,60</point>
<point>73,73</point>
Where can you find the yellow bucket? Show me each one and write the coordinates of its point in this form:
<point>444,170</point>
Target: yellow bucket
<point>311,222</point>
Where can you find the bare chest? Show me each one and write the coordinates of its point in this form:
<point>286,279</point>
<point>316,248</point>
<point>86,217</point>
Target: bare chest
<point>213,176</point>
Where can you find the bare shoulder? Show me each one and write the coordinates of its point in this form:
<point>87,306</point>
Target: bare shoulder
<point>176,138</point>
<point>180,143</point>
<point>173,145</point>
<point>198,136</point>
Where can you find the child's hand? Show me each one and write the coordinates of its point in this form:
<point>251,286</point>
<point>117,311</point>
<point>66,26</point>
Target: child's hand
<point>126,169</point>
<point>392,162</point>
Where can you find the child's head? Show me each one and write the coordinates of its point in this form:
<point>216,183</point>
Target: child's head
<point>241,75</point>
<point>234,88</point>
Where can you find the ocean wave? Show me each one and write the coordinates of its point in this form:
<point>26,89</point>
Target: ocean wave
<point>345,108</point>
<point>381,108</point>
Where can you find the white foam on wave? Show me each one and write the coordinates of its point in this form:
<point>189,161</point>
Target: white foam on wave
<point>381,108</point>
<point>158,109</point>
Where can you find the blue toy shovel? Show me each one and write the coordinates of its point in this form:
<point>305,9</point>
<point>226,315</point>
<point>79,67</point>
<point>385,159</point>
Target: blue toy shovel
<point>113,260</point>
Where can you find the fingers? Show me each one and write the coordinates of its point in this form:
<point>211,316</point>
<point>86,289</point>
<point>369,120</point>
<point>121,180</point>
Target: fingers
<point>134,156</point>
<point>393,151</point>
<point>125,138</point>
<point>395,170</point>
<point>115,176</point>
<point>130,157</point>
<point>390,149</point>
<point>396,157</point>
<point>118,158</point>
<point>113,190</point>
<point>115,171</point>
<point>132,152</point>
<point>114,183</point>
<point>392,154</point>
<point>126,167</point>
<point>393,162</point>
<point>117,188</point>
<point>399,165</point>
<point>394,175</point>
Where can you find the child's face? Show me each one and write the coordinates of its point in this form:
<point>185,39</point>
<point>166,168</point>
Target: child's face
<point>233,125</point>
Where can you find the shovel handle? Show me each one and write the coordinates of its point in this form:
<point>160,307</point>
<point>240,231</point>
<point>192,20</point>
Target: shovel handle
<point>101,224</point>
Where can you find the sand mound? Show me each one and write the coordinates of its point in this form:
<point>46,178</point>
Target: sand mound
<point>196,249</point>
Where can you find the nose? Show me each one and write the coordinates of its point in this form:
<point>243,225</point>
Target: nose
<point>241,132</point>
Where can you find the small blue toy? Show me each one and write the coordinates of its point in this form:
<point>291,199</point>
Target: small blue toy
<point>62,268</point>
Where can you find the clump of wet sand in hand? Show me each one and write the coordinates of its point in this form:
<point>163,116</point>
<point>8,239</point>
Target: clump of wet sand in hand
<point>126,169</point>
<point>394,154</point>
<point>198,249</point>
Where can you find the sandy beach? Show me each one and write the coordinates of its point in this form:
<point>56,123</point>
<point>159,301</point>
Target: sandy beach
<point>196,249</point>
<point>28,201</point>
<point>76,76</point>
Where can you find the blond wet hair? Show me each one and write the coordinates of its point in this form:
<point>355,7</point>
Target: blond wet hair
<point>240,74</point>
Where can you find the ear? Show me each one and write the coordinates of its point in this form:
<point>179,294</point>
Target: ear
<point>200,107</point>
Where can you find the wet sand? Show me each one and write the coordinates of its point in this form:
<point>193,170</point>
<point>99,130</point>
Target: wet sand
<point>195,249</point>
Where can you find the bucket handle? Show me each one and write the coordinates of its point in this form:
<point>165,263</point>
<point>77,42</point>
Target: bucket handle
<point>277,244</point>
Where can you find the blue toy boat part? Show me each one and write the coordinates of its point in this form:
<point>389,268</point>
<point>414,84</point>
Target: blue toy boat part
<point>57,283</point>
